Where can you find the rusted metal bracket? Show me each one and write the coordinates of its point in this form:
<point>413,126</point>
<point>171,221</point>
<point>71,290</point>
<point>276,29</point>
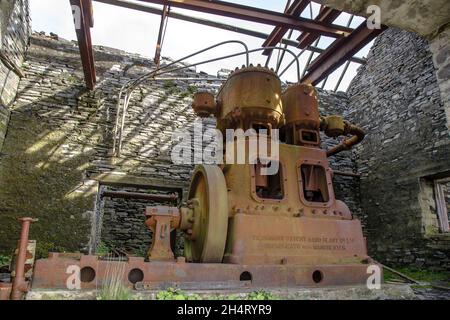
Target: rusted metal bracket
<point>162,221</point>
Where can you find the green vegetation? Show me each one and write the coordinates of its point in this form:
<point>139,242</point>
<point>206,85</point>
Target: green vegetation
<point>192,89</point>
<point>169,84</point>
<point>177,294</point>
<point>103,249</point>
<point>5,260</point>
<point>420,275</point>
<point>262,295</point>
<point>43,183</point>
<point>113,288</point>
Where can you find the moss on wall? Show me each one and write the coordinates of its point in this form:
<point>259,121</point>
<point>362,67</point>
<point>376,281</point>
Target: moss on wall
<point>38,181</point>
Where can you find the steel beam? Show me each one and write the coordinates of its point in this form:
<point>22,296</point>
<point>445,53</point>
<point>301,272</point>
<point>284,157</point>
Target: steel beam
<point>327,15</point>
<point>164,15</point>
<point>83,21</point>
<point>256,15</point>
<point>338,52</point>
<point>295,9</point>
<point>173,15</point>
<point>140,195</point>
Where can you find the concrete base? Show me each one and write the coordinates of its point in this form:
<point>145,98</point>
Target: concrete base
<point>387,292</point>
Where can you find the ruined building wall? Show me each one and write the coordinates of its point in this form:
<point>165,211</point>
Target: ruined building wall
<point>440,46</point>
<point>14,34</point>
<point>396,98</point>
<point>57,155</point>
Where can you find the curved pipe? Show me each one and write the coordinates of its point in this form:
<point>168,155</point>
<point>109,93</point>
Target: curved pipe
<point>357,136</point>
<point>131,84</point>
<point>134,83</point>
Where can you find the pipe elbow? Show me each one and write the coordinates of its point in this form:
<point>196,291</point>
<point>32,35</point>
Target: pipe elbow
<point>357,133</point>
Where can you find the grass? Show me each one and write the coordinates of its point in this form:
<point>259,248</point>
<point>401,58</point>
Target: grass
<point>177,294</point>
<point>420,275</point>
<point>113,288</point>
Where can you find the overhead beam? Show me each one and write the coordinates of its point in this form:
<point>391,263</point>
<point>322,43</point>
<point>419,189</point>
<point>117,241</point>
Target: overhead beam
<point>295,9</point>
<point>256,15</point>
<point>164,14</point>
<point>233,28</point>
<point>83,21</point>
<point>327,15</point>
<point>338,52</point>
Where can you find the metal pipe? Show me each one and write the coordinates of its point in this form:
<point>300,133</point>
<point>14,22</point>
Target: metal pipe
<point>358,135</point>
<point>151,76</point>
<point>142,78</point>
<point>140,195</point>
<point>20,285</point>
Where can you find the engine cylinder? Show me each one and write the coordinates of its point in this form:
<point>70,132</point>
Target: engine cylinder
<point>301,113</point>
<point>250,98</point>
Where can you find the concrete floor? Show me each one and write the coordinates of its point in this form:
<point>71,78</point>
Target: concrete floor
<point>387,292</point>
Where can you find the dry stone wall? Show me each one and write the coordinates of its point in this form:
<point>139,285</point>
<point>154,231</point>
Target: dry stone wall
<point>397,99</point>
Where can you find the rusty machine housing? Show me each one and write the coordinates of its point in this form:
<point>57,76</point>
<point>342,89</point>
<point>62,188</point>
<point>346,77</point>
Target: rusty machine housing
<point>243,228</point>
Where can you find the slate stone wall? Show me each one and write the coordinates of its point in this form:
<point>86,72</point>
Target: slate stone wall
<point>440,47</point>
<point>396,98</point>
<point>15,27</point>
<point>58,149</point>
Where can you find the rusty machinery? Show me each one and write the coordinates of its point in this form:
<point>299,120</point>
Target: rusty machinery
<point>237,215</point>
<point>243,228</point>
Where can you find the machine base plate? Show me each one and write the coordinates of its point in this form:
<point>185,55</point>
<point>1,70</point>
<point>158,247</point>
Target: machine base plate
<point>60,271</point>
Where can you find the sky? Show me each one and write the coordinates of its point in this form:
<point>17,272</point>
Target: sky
<point>137,32</point>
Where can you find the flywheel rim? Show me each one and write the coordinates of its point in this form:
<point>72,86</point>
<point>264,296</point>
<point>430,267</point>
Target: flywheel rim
<point>208,189</point>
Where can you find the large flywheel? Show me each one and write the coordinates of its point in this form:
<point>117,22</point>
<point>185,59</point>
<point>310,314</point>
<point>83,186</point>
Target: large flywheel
<point>208,200</point>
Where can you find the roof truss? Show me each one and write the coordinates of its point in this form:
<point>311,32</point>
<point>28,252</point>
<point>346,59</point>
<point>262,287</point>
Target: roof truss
<point>347,41</point>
